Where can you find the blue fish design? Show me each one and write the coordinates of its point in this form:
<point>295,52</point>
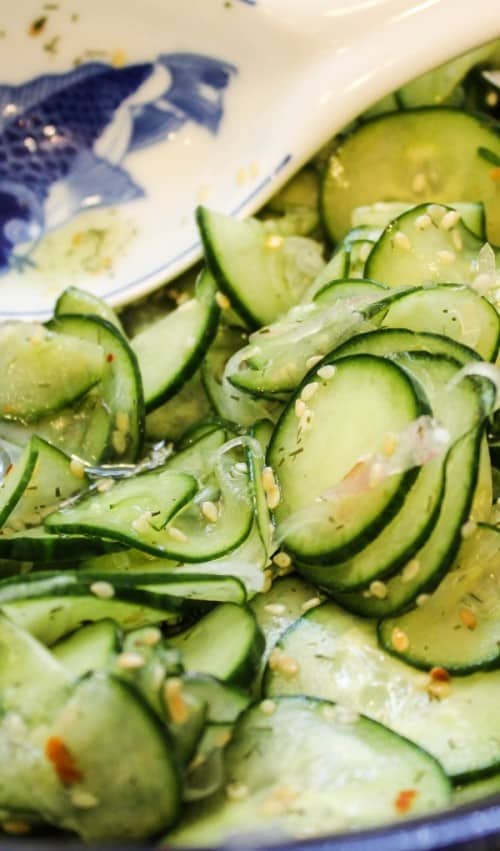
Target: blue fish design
<point>63,137</point>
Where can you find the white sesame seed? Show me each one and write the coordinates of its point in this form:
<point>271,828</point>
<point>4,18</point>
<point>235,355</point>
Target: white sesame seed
<point>308,391</point>
<point>142,523</point>
<point>268,581</point>
<point>282,560</point>
<point>103,590</point>
<point>210,511</point>
<point>326,372</point>
<point>177,534</point>
<point>423,222</point>
<point>378,589</point>
<point>300,408</point>
<point>435,211</point>
<point>456,238</point>
<point>410,570</point>
<point>313,360</point>
<point>268,480</point>
<point>236,791</point>
<point>446,257</point>
<point>422,599</point>
<point>83,800</point>
<point>130,661</point>
<point>399,640</point>
<point>449,220</point>
<point>273,498</point>
<point>268,707</point>
<point>222,300</point>
<point>122,421</point>
<point>150,637</point>
<point>400,240</point>
<point>274,241</point>
<point>119,441</point>
<point>77,468</point>
<point>277,609</point>
<point>105,485</point>
<point>312,603</point>
<point>468,529</point>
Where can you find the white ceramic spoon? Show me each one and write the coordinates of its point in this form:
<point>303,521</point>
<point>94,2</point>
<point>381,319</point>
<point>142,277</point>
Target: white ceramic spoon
<point>298,71</point>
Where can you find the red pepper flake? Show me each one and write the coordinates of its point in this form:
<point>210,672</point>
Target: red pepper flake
<point>110,358</point>
<point>63,761</point>
<point>440,675</point>
<point>37,26</point>
<point>405,799</point>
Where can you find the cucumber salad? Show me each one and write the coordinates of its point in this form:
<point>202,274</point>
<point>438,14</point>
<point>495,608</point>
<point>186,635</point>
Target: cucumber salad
<point>250,529</point>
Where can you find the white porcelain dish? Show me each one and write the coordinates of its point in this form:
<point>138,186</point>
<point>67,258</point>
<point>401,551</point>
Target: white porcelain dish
<point>118,118</point>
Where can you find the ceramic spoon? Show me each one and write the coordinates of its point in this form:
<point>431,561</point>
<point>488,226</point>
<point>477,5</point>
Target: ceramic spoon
<point>297,72</point>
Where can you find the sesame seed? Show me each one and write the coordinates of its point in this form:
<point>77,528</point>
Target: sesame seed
<point>83,800</point>
<point>103,590</point>
<point>449,220</point>
<point>273,498</point>
<point>300,408</point>
<point>312,603</point>
<point>268,480</point>
<point>119,441</point>
<point>130,661</point>
<point>313,360</point>
<point>268,581</point>
<point>142,523</point>
<point>282,560</point>
<point>177,707</point>
<point>222,300</point>
<point>283,663</point>
<point>241,467</point>
<point>456,238</point>
<point>435,211</point>
<point>177,534</point>
<point>268,707</point>
<point>422,599</point>
<point>468,618</point>
<point>423,222</point>
<point>446,257</point>
<point>419,182</point>
<point>122,421</point>
<point>274,241</point>
<point>275,609</point>
<point>410,570</point>
<point>326,372</point>
<point>399,640</point>
<point>308,391</point>
<point>400,240</point>
<point>439,690</point>
<point>105,485</point>
<point>236,791</point>
<point>150,637</point>
<point>77,468</point>
<point>378,589</point>
<point>210,511</point>
<point>468,529</point>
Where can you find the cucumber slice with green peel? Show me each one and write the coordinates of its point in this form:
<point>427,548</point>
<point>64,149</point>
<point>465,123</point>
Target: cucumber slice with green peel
<point>123,758</point>
<point>382,213</point>
<point>279,356</point>
<point>225,701</point>
<point>262,273</point>
<point>329,765</point>
<point>197,454</point>
<point>387,341</point>
<point>428,244</point>
<point>189,330</point>
<point>459,313</point>
<point>428,566</point>
<point>356,404</point>
<point>338,658</point>
<point>412,156</point>
<point>229,402</point>
<point>226,644</point>
<point>38,545</point>
<point>133,512</point>
<point>16,479</point>
<point>479,790</point>
<point>90,648</point>
<point>407,532</point>
<point>358,292</point>
<point>120,389</point>
<point>336,269</point>
<point>145,661</point>
<point>84,303</point>
<point>301,191</point>
<point>173,418</point>
<point>359,254</point>
<point>43,371</point>
<point>458,627</point>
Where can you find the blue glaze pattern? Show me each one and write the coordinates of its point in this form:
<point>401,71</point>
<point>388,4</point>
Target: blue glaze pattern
<point>64,137</point>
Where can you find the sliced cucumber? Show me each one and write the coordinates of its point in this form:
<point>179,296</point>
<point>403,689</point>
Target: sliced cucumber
<point>90,648</point>
<point>186,408</point>
<point>458,627</point>
<point>84,303</point>
<point>382,214</point>
<point>262,273</point>
<point>188,331</point>
<point>225,702</point>
<point>328,765</point>
<point>438,86</point>
<point>16,478</point>
<point>226,643</point>
<point>336,269</point>
<point>387,341</point>
<point>421,247</point>
<point>37,545</point>
<point>413,156</point>
<point>355,406</point>
<point>358,292</point>
<point>43,371</point>
<point>338,658</point>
